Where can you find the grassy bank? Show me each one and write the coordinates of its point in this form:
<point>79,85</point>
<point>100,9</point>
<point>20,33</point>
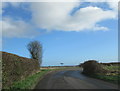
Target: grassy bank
<point>29,82</point>
<point>112,75</point>
<point>109,78</point>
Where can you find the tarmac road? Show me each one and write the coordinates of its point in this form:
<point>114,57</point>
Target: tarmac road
<point>72,79</point>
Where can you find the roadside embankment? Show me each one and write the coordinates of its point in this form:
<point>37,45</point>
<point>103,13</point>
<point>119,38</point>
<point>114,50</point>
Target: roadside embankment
<point>16,68</point>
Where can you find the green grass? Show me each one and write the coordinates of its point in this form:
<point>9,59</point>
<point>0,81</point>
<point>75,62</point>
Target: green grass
<point>29,82</point>
<point>112,68</point>
<point>110,77</point>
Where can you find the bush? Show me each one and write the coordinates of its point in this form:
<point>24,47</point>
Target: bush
<point>80,65</point>
<point>91,67</point>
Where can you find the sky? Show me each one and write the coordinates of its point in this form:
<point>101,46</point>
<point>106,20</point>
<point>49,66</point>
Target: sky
<point>70,32</point>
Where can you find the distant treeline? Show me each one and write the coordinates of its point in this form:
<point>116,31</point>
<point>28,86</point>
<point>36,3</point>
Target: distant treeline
<point>107,64</point>
<point>112,63</point>
<point>58,66</point>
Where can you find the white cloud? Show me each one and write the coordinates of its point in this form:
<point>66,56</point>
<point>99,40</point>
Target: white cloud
<point>113,5</point>
<point>119,12</point>
<point>97,28</point>
<point>11,28</point>
<point>56,16</point>
<point>100,0</point>
<point>15,28</point>
<point>0,7</point>
<point>49,15</point>
<point>15,0</point>
<point>60,0</point>
<point>15,4</point>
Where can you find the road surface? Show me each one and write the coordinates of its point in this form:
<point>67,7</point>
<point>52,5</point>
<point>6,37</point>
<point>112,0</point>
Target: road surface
<point>72,79</point>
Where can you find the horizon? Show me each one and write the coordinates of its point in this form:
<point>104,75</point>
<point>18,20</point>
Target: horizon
<point>70,33</point>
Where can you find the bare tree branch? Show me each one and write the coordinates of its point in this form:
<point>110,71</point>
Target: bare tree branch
<point>35,49</point>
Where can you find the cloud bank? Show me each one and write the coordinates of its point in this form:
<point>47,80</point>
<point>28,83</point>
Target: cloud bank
<point>58,16</point>
<point>17,29</point>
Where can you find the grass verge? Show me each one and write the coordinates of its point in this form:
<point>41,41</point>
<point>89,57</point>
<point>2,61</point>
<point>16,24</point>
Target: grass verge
<point>113,74</point>
<point>29,82</point>
<point>109,78</point>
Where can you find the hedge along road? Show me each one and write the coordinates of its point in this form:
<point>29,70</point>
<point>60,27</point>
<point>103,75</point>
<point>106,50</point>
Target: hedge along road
<point>72,79</point>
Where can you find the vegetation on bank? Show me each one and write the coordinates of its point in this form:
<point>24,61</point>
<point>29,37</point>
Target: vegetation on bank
<point>16,68</point>
<point>29,82</point>
<point>112,68</point>
<point>110,78</point>
<point>110,73</point>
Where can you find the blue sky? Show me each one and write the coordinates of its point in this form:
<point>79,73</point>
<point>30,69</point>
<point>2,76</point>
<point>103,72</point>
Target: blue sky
<point>70,33</point>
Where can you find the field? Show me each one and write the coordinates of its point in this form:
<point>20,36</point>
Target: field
<point>112,75</point>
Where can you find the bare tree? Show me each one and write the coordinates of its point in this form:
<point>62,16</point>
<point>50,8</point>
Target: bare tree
<point>35,49</point>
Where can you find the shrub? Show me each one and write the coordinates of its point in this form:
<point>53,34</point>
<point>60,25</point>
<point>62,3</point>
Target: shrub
<point>80,65</point>
<point>91,67</point>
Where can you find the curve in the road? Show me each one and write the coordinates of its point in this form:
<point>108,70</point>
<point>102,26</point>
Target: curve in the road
<point>72,79</point>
